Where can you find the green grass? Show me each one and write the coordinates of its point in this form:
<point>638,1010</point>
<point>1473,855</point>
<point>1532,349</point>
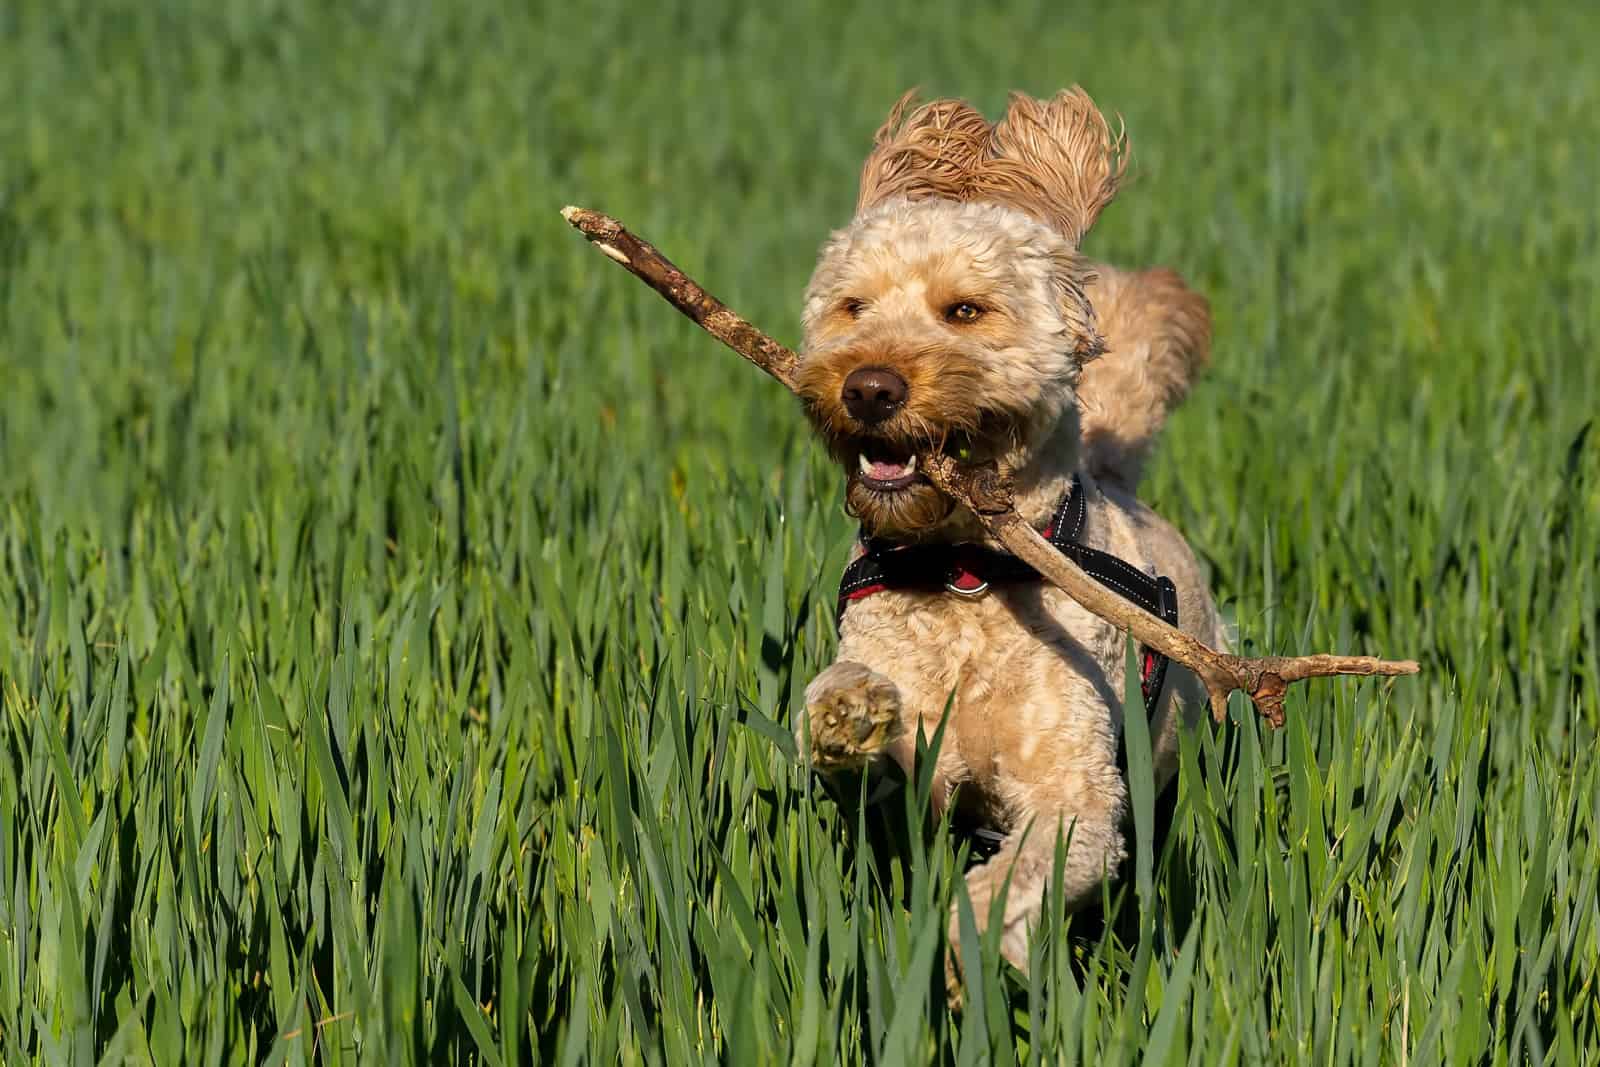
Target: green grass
<point>402,612</point>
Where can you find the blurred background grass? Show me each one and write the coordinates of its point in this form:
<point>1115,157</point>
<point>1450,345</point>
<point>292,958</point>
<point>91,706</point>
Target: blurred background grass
<point>402,612</point>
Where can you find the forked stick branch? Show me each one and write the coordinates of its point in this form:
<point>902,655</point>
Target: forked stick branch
<point>987,493</point>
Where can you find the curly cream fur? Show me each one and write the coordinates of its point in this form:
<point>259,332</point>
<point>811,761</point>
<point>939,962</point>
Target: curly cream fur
<point>954,210</point>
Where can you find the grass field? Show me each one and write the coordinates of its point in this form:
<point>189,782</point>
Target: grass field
<point>402,611</point>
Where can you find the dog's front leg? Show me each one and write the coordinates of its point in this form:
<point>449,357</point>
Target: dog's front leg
<point>852,714</point>
<point>1094,850</point>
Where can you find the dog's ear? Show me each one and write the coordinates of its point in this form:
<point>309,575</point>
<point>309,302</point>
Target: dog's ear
<point>1072,277</point>
<point>935,150</point>
<point>1057,159</point>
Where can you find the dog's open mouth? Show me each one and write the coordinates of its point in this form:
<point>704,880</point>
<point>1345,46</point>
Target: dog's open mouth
<point>888,490</point>
<point>889,466</point>
<point>886,468</point>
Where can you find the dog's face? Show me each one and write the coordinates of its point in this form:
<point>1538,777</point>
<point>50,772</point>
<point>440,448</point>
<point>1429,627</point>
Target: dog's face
<point>932,324</point>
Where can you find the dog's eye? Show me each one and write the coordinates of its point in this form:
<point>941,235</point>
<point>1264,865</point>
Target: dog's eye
<point>853,307</point>
<point>963,312</point>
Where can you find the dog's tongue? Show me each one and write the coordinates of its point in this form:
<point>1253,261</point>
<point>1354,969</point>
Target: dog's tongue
<point>885,471</point>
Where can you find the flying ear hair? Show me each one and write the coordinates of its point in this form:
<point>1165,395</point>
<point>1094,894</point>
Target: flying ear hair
<point>1057,160</point>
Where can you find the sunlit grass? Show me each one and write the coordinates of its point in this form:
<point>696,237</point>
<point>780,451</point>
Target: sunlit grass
<point>402,612</point>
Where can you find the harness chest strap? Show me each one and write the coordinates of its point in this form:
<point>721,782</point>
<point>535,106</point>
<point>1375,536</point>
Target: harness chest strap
<point>968,570</point>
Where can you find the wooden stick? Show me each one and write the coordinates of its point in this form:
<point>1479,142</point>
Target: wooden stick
<point>986,491</point>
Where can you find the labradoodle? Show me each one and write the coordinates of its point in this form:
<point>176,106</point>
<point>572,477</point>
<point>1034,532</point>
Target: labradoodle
<point>955,312</point>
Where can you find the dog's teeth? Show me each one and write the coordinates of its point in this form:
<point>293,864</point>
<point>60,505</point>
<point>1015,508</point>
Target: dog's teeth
<point>866,468</point>
<point>911,464</point>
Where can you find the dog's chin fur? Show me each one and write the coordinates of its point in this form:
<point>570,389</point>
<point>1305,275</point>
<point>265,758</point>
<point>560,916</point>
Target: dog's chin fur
<point>1000,387</point>
<point>914,513</point>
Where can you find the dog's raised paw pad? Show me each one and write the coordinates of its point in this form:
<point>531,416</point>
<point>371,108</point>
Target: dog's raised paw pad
<point>853,712</point>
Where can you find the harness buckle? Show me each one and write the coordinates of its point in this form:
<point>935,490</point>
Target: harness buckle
<point>975,587</point>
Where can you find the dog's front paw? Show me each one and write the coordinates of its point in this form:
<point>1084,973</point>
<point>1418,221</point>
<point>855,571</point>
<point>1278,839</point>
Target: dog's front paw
<point>853,713</point>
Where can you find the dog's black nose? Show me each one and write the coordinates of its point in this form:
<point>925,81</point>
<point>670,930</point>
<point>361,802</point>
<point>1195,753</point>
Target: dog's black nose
<point>872,394</point>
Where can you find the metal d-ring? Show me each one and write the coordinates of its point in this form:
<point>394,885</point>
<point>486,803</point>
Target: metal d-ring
<point>970,594</point>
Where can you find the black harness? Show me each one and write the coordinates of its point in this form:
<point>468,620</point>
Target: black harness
<point>968,570</point>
